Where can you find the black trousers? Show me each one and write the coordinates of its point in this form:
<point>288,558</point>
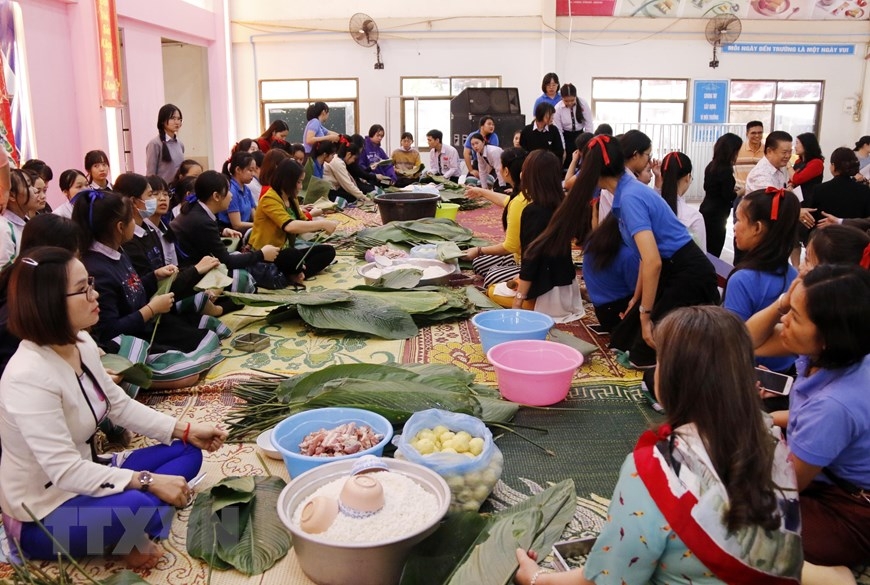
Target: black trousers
<point>687,278</point>
<point>320,256</point>
<point>716,225</point>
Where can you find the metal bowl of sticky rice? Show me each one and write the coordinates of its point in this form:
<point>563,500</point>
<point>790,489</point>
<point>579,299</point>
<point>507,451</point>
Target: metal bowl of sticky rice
<point>371,550</point>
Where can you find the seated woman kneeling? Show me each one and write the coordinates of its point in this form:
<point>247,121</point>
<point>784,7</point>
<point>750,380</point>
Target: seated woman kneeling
<point>279,219</point>
<point>710,497</point>
<point>53,394</point>
<point>824,319</point>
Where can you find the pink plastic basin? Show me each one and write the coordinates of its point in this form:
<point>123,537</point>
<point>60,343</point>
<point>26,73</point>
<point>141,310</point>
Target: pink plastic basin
<point>537,373</point>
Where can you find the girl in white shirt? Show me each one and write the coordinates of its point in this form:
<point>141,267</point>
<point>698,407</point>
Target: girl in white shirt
<point>676,170</point>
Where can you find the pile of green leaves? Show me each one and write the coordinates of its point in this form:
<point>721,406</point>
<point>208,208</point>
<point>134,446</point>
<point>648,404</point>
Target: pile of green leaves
<point>394,391</point>
<point>406,234</point>
<point>233,525</point>
<point>390,313</point>
<point>480,548</point>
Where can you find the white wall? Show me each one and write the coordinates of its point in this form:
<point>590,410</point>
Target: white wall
<point>185,81</point>
<point>514,39</point>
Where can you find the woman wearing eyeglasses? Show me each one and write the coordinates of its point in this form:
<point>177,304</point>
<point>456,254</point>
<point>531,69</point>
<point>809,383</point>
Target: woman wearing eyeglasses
<point>53,395</point>
<point>165,153</point>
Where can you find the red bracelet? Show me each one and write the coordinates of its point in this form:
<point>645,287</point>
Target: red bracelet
<point>186,434</point>
<point>306,214</point>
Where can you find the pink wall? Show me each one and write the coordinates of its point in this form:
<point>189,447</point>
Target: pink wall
<point>63,63</point>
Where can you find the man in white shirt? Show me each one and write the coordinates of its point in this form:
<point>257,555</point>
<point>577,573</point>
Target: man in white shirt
<point>772,170</point>
<point>443,158</point>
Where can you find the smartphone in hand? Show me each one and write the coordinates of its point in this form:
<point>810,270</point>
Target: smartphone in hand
<point>774,381</point>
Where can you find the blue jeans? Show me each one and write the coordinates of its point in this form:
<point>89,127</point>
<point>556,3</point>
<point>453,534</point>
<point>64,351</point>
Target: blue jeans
<point>87,525</point>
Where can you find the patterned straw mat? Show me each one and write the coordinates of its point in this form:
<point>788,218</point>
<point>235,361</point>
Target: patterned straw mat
<point>589,444</point>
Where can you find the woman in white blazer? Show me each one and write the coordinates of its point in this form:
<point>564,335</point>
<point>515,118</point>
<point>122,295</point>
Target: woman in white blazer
<point>53,394</point>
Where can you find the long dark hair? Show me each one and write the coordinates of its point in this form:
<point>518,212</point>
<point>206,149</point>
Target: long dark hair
<point>94,157</point>
<point>845,162</point>
<point>285,180</point>
<point>207,184</point>
<point>812,150</point>
<point>837,244</point>
<point>724,153</point>
<point>163,116</point>
<point>714,389</point>
<point>634,142</point>
<point>835,298</point>
<point>130,184</point>
<point>780,233</point>
<point>274,127</point>
<point>675,166</point>
<point>604,243</point>
<point>315,109</point>
<point>568,90</point>
<point>573,218</point>
<point>270,162</point>
<point>512,159</point>
<point>239,160</point>
<point>97,213</point>
<point>183,170</point>
<point>542,184</point>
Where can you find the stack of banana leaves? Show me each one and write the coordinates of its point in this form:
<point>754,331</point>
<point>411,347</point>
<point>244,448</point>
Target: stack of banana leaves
<point>406,234</point>
<point>390,313</point>
<point>395,391</point>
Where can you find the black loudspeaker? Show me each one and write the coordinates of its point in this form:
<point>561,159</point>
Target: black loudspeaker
<point>487,100</point>
<point>505,127</point>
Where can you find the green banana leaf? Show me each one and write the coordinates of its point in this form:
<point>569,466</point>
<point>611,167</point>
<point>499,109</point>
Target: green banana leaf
<point>290,298</point>
<point>489,558</point>
<point>395,400</point>
<point>446,251</point>
<point>566,338</point>
<point>163,287</point>
<point>137,374</point>
<point>401,279</point>
<point>303,386</point>
<point>435,558</point>
<point>232,490</point>
<point>245,535</point>
<point>480,300</point>
<point>411,301</point>
<point>363,314</point>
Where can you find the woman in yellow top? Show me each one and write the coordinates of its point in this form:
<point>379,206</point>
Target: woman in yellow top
<point>279,219</point>
<point>501,262</point>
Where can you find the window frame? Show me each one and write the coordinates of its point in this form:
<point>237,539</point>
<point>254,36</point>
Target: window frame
<point>403,98</point>
<point>776,101</point>
<point>310,100</point>
<point>640,101</point>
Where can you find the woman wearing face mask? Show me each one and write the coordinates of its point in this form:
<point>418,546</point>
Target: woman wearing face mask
<point>129,307</point>
<point>146,253</point>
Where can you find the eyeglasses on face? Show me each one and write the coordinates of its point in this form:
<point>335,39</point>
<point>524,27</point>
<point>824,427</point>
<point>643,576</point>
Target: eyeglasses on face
<point>89,292</point>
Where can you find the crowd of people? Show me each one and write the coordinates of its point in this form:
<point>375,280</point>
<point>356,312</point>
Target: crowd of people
<point>83,280</point>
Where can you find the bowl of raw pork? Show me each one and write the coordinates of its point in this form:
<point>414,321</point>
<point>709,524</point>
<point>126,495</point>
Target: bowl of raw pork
<point>367,550</point>
<point>311,438</point>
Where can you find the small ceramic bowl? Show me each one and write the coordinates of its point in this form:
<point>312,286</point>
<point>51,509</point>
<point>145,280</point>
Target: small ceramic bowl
<point>264,442</point>
<point>361,496</point>
<point>368,464</point>
<point>318,515</point>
